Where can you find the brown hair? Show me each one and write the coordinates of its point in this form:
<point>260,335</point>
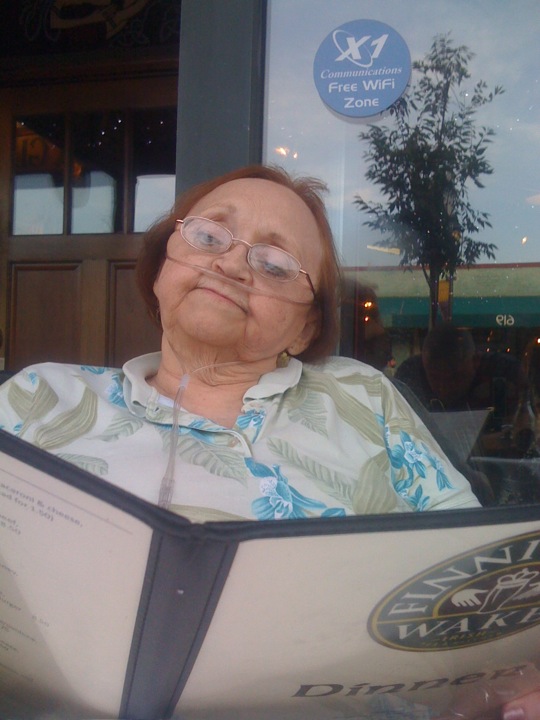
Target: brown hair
<point>309,190</point>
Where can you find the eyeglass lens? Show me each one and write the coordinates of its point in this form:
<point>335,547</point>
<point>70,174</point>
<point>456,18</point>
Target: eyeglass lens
<point>269,261</point>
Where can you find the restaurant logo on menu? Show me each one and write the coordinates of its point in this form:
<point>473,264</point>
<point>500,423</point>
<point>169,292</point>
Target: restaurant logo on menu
<point>473,598</point>
<point>361,68</point>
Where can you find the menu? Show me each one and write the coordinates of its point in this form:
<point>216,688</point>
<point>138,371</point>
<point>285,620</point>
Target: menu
<point>113,608</point>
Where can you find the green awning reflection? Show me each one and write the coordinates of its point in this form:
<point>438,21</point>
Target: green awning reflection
<point>470,312</point>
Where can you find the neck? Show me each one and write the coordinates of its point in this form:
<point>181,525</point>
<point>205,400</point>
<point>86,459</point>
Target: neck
<point>215,388</point>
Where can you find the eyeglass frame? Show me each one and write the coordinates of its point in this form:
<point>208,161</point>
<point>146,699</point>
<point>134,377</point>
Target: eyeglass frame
<point>250,246</point>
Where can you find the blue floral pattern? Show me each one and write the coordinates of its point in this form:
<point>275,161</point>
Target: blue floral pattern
<point>93,369</point>
<point>408,463</point>
<point>279,500</point>
<point>197,430</point>
<point>251,420</point>
<point>443,481</point>
<point>115,391</point>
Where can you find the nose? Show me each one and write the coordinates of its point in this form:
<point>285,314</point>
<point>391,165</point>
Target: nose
<point>234,262</point>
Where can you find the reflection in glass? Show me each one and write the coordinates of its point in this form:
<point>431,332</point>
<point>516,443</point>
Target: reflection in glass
<point>38,189</point>
<point>97,173</point>
<point>154,196</point>
<point>297,118</point>
<point>153,164</point>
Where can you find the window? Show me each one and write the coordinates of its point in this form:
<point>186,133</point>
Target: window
<point>93,173</point>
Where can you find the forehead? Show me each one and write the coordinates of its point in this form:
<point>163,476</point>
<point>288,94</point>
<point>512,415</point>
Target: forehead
<point>262,199</point>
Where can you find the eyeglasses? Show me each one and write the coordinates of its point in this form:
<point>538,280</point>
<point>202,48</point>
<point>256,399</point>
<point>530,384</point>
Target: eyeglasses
<point>269,261</point>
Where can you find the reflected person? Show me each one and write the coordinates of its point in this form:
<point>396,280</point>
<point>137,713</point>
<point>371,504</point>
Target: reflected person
<point>451,375</point>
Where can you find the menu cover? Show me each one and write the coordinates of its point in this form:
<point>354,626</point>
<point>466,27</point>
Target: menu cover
<point>113,608</point>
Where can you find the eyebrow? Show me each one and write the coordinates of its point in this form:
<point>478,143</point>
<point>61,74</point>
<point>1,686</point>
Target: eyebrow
<point>220,213</point>
<point>219,210</point>
<point>279,241</point>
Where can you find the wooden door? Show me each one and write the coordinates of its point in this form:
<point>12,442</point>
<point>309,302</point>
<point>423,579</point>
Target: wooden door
<point>84,168</point>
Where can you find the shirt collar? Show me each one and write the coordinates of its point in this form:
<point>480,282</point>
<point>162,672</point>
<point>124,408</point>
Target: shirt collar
<point>137,392</point>
<point>276,382</point>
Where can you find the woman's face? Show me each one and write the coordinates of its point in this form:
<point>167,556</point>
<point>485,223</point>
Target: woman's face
<point>228,318</point>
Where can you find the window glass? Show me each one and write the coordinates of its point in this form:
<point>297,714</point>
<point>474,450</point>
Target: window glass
<point>386,310</point>
<point>304,135</point>
<point>38,196</point>
<point>122,171</point>
<point>97,172</point>
<point>154,164</point>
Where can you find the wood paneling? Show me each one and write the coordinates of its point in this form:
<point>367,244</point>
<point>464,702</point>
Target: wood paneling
<point>46,310</point>
<point>131,332</point>
<point>94,298</point>
<point>88,312</point>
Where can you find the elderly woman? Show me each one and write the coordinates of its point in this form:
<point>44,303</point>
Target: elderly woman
<point>243,278</point>
<point>243,414</point>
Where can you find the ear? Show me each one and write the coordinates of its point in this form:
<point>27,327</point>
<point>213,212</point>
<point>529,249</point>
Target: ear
<point>308,333</point>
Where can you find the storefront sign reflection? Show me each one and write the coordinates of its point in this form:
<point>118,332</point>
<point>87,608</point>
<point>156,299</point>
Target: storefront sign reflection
<point>36,154</point>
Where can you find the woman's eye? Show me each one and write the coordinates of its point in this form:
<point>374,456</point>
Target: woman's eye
<point>207,240</point>
<point>274,271</point>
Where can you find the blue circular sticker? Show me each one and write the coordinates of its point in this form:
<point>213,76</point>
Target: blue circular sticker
<point>361,68</point>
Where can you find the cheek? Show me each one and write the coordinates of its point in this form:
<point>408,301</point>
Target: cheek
<point>172,283</point>
<point>274,318</point>
<point>160,286</point>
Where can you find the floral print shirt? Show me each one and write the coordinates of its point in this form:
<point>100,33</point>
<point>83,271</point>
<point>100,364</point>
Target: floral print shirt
<point>311,440</point>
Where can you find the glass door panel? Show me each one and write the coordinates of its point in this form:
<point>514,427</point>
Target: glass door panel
<point>154,153</point>
<point>38,188</point>
<point>97,172</point>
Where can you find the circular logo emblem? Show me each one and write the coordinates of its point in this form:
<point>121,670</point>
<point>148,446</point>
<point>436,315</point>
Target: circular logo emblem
<point>471,599</point>
<point>361,68</point>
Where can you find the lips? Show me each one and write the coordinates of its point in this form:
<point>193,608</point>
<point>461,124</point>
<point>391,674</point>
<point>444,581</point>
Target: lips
<point>224,293</point>
<point>245,290</point>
